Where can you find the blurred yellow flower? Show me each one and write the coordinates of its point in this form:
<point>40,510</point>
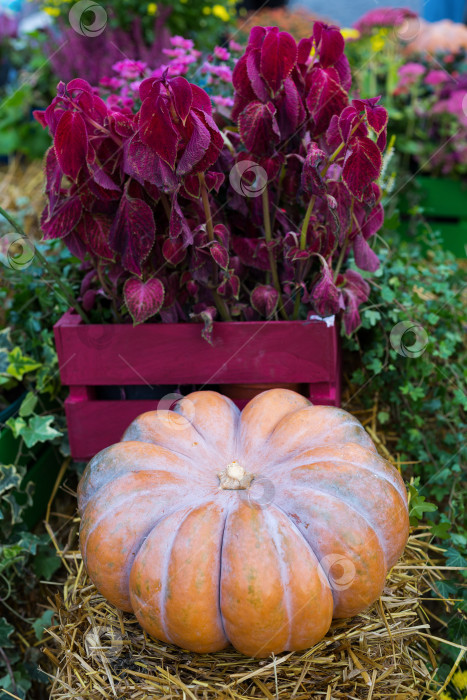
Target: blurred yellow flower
<point>206,10</point>
<point>152,8</point>
<point>221,12</point>
<point>459,680</point>
<point>445,696</point>
<point>349,33</point>
<point>52,11</point>
<point>377,42</point>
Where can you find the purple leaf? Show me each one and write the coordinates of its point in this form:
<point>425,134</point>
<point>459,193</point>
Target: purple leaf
<point>278,57</point>
<point>174,251</point>
<point>220,255</point>
<point>264,299</point>
<point>355,291</point>
<point>329,43</point>
<point>71,143</point>
<point>325,295</point>
<point>377,116</point>
<point>325,97</point>
<point>258,128</point>
<point>182,97</point>
<point>178,225</point>
<point>348,120</point>
<point>63,218</point>
<point>143,299</point>
<point>312,182</point>
<point>290,109</point>
<point>97,228</point>
<point>132,233</point>
<point>260,88</point>
<point>342,66</point>
<point>157,130</point>
<point>365,258</point>
<point>142,163</point>
<point>304,50</point>
<point>196,147</point>
<point>373,222</point>
<point>362,166</point>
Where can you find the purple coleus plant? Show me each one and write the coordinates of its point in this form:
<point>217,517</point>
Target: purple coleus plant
<point>267,218</point>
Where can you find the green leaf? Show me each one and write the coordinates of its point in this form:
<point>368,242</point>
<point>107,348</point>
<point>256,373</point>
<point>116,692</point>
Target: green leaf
<point>42,622</point>
<point>28,405</point>
<point>20,364</point>
<point>441,530</point>
<point>45,565</point>
<point>38,429</point>
<point>6,630</point>
<point>455,558</point>
<point>11,477</point>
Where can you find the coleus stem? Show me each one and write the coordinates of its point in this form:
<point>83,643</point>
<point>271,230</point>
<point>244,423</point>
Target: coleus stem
<point>44,262</point>
<point>303,235</point>
<point>345,243</point>
<point>220,304</point>
<point>272,260</point>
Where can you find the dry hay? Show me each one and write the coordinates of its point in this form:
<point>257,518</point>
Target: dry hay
<point>22,193</point>
<point>99,652</point>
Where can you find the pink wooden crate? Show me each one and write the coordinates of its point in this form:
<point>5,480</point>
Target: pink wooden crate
<point>156,354</point>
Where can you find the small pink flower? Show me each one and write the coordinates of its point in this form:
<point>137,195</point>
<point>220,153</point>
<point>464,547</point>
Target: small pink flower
<point>233,46</point>
<point>222,101</point>
<point>221,53</point>
<point>130,69</point>
<point>182,43</point>
<point>411,69</point>
<point>436,77</point>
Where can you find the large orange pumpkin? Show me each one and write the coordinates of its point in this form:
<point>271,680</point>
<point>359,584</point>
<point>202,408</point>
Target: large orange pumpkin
<point>253,528</point>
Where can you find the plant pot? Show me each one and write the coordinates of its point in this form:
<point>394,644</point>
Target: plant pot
<point>242,393</point>
<point>269,353</point>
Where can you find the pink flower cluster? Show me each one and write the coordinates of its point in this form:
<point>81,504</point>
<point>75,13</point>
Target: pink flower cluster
<point>383,17</point>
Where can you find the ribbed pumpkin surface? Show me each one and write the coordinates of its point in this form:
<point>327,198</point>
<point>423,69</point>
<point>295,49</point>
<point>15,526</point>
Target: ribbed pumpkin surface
<point>311,535</point>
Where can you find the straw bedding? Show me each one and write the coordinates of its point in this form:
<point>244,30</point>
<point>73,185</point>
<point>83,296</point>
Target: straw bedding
<point>99,652</point>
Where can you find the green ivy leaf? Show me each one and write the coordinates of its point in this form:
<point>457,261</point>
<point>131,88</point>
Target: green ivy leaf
<point>38,429</point>
<point>6,630</point>
<point>45,565</point>
<point>42,622</point>
<point>28,405</point>
<point>455,558</point>
<point>20,364</point>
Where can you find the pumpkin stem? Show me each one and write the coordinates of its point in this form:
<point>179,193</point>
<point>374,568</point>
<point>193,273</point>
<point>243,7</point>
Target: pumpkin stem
<point>234,477</point>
